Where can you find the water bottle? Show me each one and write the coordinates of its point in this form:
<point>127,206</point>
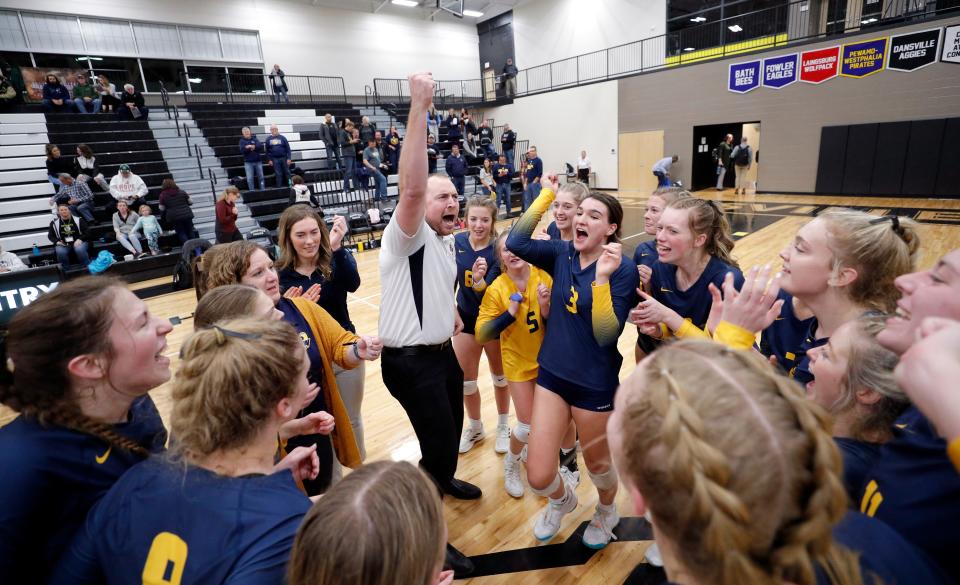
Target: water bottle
<point>36,249</point>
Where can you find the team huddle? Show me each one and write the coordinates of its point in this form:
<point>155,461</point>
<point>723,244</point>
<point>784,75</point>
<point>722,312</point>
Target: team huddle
<point>766,432</point>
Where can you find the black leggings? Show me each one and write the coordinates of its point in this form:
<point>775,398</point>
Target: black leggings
<point>227,237</point>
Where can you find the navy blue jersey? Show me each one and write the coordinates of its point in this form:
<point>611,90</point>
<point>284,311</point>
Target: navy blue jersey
<point>344,278</point>
<point>468,300</point>
<point>553,231</point>
<point>52,476</point>
<point>581,346</point>
<point>169,523</point>
<point>785,336</point>
<point>914,488</point>
<point>858,459</point>
<point>801,372</point>
<point>646,253</point>
<point>694,303</point>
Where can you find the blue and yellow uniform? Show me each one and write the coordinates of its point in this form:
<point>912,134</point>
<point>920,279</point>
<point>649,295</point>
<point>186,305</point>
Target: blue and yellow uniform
<point>553,231</point>
<point>586,319</point>
<point>167,523</point>
<point>914,488</point>
<point>520,336</point>
<point>468,299</point>
<point>786,337</point>
<point>52,476</point>
<point>858,459</point>
<point>646,253</point>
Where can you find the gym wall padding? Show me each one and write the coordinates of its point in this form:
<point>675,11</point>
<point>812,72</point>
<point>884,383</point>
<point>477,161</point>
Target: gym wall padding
<point>833,153</point>
<point>861,148</point>
<point>891,154</point>
<point>923,158</point>
<point>948,175</point>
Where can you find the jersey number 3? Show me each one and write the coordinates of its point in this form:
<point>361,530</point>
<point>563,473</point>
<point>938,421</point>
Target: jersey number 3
<point>572,302</point>
<point>532,322</point>
<point>872,498</point>
<point>166,560</point>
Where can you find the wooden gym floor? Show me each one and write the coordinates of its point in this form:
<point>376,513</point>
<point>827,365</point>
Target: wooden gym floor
<point>498,528</point>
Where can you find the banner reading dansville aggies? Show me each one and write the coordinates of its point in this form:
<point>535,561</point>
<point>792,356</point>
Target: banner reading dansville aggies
<point>912,51</point>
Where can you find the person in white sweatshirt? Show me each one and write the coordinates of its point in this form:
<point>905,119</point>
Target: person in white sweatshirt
<point>128,187</point>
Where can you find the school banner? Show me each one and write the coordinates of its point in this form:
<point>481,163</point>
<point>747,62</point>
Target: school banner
<point>951,44</point>
<point>863,58</point>
<point>743,77</point>
<point>780,71</point>
<point>819,65</point>
<point>34,78</point>
<point>913,51</point>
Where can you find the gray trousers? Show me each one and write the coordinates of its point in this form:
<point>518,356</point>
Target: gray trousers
<point>350,383</point>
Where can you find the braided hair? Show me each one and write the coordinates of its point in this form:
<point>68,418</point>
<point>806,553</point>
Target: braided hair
<point>35,380</point>
<point>741,474</point>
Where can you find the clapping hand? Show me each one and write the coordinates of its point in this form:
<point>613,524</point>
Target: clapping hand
<point>609,261</point>
<point>754,307</point>
<point>312,294</point>
<point>302,461</point>
<point>337,231</point>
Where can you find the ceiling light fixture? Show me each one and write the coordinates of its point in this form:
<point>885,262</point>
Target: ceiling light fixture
<point>698,19</point>
<point>868,21</point>
<point>472,13</point>
<point>407,3</point>
<point>688,49</point>
<point>194,79</point>
<point>735,28</point>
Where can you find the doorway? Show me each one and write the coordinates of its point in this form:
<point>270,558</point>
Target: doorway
<point>703,173</point>
<point>638,152</point>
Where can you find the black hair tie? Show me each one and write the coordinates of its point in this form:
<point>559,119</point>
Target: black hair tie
<point>893,219</point>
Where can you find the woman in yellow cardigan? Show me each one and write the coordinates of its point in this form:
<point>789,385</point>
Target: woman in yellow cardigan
<point>325,340</point>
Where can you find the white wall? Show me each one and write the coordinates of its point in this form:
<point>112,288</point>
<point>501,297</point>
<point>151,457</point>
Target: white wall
<point>550,30</point>
<point>562,123</point>
<point>309,40</point>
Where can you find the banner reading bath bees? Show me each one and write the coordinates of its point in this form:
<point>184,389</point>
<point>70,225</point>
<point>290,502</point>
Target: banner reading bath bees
<point>912,51</point>
<point>743,77</point>
<point>951,44</point>
<point>863,58</point>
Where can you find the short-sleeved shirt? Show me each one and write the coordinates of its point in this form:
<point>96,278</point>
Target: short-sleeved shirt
<point>785,335</point>
<point>646,253</point>
<point>468,300</point>
<point>858,458</point>
<point>417,275</point>
<point>372,156</point>
<point>695,302</point>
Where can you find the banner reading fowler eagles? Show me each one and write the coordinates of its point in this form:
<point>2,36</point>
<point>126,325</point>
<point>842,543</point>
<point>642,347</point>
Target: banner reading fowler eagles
<point>863,58</point>
<point>912,51</point>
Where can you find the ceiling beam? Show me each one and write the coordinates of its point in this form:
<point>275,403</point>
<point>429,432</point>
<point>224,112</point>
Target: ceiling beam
<point>382,4</point>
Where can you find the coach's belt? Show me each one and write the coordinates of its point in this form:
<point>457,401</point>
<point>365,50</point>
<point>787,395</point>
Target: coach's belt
<point>412,350</point>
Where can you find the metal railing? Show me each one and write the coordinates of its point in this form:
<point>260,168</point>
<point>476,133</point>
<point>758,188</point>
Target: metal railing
<point>778,26</point>
<point>263,89</point>
<point>165,98</point>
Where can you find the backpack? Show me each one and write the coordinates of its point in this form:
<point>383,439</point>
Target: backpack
<point>262,237</point>
<point>239,182</point>
<point>743,156</point>
<point>715,155</point>
<point>183,271</point>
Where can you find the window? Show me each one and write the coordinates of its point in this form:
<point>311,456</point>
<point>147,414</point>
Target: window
<point>11,35</point>
<point>53,32</point>
<point>200,43</point>
<point>14,59</point>
<point>246,80</point>
<point>207,79</point>
<point>157,40</point>
<point>108,36</point>
<point>120,70</point>
<point>169,72</point>
<point>688,8</point>
<point>240,46</point>
<point>693,25</point>
<point>56,61</point>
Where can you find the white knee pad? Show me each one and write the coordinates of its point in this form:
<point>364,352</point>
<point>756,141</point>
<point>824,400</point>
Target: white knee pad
<point>469,387</point>
<point>604,481</point>
<point>545,492</point>
<point>499,381</point>
<point>522,432</point>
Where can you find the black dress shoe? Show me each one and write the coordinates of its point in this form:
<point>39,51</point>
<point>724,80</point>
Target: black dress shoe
<point>456,560</point>
<point>462,490</point>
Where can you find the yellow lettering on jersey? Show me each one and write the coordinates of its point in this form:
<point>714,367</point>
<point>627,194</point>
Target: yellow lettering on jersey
<point>665,289</point>
<point>101,459</point>
<point>468,278</point>
<point>572,303</point>
<point>305,339</point>
<point>790,356</point>
<point>872,498</point>
<point>168,551</point>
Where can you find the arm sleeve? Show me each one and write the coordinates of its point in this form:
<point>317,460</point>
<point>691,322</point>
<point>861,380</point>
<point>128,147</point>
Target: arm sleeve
<point>286,147</point>
<point>605,326</point>
<point>141,188</point>
<point>345,270</point>
<point>493,317</point>
<point>612,303</point>
<point>17,263</point>
<point>221,212</point>
<point>520,241</point>
<point>52,234</point>
<point>116,222</point>
<point>336,339</point>
<point>953,451</point>
<point>137,226</point>
<point>113,188</point>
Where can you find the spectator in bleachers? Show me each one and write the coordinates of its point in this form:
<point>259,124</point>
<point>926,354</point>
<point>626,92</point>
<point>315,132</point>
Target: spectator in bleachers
<point>502,176</point>
<point>226,209</point>
<point>109,100</point>
<point>56,97</point>
<point>485,137</point>
<point>301,193</point>
<point>150,227</point>
<point>532,172</point>
<point>373,161</point>
<point>123,222</point>
<point>251,148</point>
<point>347,139</point>
<point>330,135</point>
<point>392,149</point>
<point>486,178</point>
<point>132,104</point>
<point>432,153</point>
<point>68,232</point>
<point>128,187</point>
<point>10,262</point>
<point>56,164</point>
<point>278,84</point>
<point>360,146</point>
<point>85,168</point>
<point>367,130</point>
<point>456,168</point>
<point>509,77</point>
<point>76,195</point>
<point>279,156</point>
<point>8,93</point>
<point>85,96</point>
<point>583,167</point>
<point>452,122</point>
<point>434,119</point>
<point>175,208</point>
<point>507,141</point>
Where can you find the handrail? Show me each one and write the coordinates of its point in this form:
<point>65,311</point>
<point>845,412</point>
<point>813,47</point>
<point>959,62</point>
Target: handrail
<point>199,155</point>
<point>212,176</point>
<point>259,88</point>
<point>777,26</point>
<point>186,134</point>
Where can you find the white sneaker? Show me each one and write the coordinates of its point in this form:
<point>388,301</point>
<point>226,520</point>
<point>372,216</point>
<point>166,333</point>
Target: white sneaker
<point>471,437</point>
<point>511,476</point>
<point>548,521</point>
<point>600,531</point>
<point>570,477</point>
<point>503,439</point>
<point>652,555</point>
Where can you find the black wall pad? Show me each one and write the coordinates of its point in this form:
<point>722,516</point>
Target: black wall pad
<point>948,175</point>
<point>833,149</point>
<point>891,154</point>
<point>861,146</point>
<point>923,157</point>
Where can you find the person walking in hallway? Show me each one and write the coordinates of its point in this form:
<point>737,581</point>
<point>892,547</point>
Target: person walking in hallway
<point>742,157</point>
<point>722,158</point>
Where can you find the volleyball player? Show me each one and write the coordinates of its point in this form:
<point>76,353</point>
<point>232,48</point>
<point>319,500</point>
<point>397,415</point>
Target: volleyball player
<point>477,267</point>
<point>79,363</point>
<point>515,308</point>
<point>217,510</point>
<point>646,253</point>
<point>565,205</point>
<point>593,290</point>
<point>740,479</point>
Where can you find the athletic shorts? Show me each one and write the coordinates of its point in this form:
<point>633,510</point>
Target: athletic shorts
<point>469,322</point>
<point>576,395</point>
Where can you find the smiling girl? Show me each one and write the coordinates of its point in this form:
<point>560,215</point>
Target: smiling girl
<point>565,207</point>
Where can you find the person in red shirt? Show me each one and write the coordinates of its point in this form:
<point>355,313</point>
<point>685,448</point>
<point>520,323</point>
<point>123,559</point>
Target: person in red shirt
<point>227,216</point>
